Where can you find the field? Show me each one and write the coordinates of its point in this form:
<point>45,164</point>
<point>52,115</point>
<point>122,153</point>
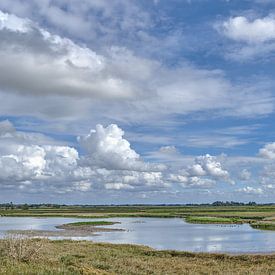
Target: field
<point>71,257</point>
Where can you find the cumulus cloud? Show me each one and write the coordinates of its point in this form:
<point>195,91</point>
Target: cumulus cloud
<point>107,148</point>
<point>186,180</point>
<point>31,161</point>
<point>204,173</point>
<point>134,181</point>
<point>37,163</point>
<point>209,165</point>
<point>197,170</point>
<point>242,29</point>
<point>253,37</point>
<point>268,151</point>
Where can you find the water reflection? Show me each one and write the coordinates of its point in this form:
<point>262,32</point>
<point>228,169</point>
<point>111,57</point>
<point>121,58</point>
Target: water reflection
<point>163,234</point>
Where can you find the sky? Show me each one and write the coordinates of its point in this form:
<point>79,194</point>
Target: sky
<point>137,101</point>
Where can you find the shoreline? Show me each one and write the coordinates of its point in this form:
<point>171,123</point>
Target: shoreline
<point>82,229</point>
<point>31,234</point>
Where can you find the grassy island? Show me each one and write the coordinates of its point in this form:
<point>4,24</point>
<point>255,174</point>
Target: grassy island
<point>91,223</point>
<point>212,220</point>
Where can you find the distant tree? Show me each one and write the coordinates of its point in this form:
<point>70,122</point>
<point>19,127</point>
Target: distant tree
<point>25,206</point>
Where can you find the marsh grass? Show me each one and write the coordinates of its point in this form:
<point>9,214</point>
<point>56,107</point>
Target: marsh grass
<point>217,220</point>
<point>264,225</point>
<point>82,257</point>
<point>91,223</point>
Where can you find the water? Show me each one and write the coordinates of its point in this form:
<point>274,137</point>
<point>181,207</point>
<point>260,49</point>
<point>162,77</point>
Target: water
<point>163,233</point>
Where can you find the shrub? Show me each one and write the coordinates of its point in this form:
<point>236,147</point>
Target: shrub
<point>21,249</point>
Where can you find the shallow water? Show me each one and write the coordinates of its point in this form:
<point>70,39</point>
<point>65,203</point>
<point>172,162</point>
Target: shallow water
<point>163,233</point>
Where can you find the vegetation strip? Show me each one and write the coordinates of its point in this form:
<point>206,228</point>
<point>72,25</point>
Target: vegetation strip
<point>263,225</point>
<point>91,223</point>
<point>212,220</point>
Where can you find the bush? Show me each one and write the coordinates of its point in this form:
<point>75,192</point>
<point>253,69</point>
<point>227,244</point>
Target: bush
<point>21,249</point>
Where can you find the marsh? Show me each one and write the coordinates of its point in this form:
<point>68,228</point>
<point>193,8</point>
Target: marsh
<point>158,233</point>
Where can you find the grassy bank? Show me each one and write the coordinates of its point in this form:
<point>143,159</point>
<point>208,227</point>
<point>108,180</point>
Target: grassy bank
<point>264,225</point>
<point>71,257</point>
<point>216,220</point>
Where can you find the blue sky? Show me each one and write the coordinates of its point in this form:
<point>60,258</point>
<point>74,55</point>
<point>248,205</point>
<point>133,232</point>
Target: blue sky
<point>137,101</point>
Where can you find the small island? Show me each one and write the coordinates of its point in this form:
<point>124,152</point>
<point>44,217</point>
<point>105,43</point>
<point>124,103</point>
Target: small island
<point>212,220</point>
<point>91,226</point>
<point>77,229</point>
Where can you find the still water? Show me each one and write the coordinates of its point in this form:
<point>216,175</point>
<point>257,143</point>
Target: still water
<point>162,233</point>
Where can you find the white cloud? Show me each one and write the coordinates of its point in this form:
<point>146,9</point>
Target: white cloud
<point>197,170</point>
<point>242,29</point>
<point>253,37</point>
<point>43,64</point>
<point>37,163</point>
<point>245,175</point>
<point>107,148</point>
<point>118,186</point>
<point>33,163</point>
<point>211,166</point>
<point>115,83</point>
<point>268,151</point>
<point>192,181</point>
<point>27,159</point>
<point>14,23</point>
<point>251,190</point>
<point>206,172</point>
<point>80,19</point>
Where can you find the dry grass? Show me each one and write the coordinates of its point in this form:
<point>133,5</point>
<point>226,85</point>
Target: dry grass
<point>21,249</point>
<point>70,257</point>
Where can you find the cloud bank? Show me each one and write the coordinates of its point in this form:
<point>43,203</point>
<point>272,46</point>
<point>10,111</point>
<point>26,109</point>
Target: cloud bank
<point>34,163</point>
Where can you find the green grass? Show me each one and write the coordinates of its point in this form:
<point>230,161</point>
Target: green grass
<point>264,225</point>
<point>219,220</point>
<point>92,223</point>
<point>80,257</point>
